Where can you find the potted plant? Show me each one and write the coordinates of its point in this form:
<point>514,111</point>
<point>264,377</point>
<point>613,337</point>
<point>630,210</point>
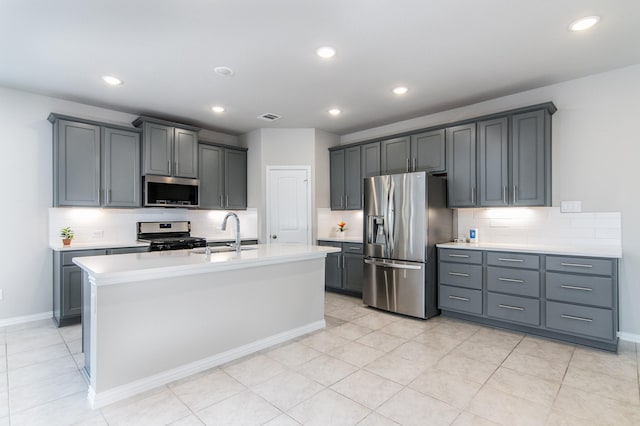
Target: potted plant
<point>67,235</point>
<point>342,227</point>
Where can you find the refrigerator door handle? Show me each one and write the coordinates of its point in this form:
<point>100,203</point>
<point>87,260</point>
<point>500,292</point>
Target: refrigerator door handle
<point>392,265</point>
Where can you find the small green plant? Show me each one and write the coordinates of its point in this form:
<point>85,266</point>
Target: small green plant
<point>67,233</point>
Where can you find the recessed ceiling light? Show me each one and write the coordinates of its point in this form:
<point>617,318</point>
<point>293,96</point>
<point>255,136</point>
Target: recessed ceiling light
<point>400,90</point>
<point>584,23</point>
<point>326,52</point>
<point>335,111</point>
<point>112,81</point>
<point>217,109</point>
<point>224,71</point>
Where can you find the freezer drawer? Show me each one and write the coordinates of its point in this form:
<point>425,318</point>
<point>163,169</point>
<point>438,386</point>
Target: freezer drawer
<point>395,286</point>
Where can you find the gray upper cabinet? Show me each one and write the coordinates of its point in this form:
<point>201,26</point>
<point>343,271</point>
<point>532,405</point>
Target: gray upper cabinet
<point>168,149</point>
<point>461,165</point>
<point>531,158</point>
<point>395,155</point>
<point>428,152</point>
<point>370,159</point>
<point>121,168</point>
<point>346,179</point>
<point>76,165</point>
<point>223,177</point>
<point>493,162</point>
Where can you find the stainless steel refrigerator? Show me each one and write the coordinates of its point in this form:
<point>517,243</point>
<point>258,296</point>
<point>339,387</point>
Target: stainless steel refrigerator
<point>405,216</point>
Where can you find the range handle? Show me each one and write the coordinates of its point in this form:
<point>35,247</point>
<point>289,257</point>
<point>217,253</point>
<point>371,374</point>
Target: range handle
<point>391,264</point>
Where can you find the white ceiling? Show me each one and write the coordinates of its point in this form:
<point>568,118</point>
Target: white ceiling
<point>449,53</point>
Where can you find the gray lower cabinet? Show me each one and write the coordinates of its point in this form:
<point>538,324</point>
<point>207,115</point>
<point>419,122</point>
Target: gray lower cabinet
<point>461,166</point>
<point>346,179</point>
<point>344,270</point>
<point>223,177</point>
<point>562,297</point>
<point>95,164</point>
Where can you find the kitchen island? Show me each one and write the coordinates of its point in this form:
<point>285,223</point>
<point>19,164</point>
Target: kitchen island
<point>152,318</point>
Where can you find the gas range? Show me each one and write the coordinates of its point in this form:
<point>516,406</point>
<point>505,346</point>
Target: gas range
<point>174,235</point>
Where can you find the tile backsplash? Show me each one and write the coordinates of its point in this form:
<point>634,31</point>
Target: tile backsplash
<point>541,226</point>
<point>119,225</point>
<point>328,222</point>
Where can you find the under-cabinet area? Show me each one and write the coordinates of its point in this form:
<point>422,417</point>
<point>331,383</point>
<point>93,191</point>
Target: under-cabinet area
<point>565,297</point>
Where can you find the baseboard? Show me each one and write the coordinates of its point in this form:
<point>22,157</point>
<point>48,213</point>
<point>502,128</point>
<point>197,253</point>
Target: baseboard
<point>27,318</point>
<point>98,400</point>
<point>629,337</point>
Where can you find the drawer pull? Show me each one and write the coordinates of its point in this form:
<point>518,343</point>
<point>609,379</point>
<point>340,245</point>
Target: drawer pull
<point>571,317</point>
<point>513,308</point>
<point>573,287</point>
<point>459,255</point>
<point>353,248</point>
<point>510,260</point>
<point>511,280</point>
<point>464,299</point>
<point>578,265</point>
<point>458,274</point>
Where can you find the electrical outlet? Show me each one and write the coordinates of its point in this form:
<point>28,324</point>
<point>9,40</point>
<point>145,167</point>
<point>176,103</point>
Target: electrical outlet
<point>571,206</point>
<point>97,234</point>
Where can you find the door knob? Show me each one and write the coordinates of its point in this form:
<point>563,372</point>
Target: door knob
<point>274,237</point>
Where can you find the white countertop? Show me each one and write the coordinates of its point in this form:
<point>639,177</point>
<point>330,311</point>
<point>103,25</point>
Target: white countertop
<point>342,240</point>
<point>610,252</point>
<point>121,268</point>
<point>120,244</point>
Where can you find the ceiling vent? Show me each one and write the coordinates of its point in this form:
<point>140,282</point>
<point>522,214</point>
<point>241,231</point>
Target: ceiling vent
<point>269,117</point>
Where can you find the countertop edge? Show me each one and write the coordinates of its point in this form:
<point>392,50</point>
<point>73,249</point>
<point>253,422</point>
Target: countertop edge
<point>560,251</point>
<point>100,246</point>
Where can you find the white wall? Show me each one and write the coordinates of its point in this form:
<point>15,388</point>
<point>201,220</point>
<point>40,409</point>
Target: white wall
<point>596,146</point>
<point>26,194</point>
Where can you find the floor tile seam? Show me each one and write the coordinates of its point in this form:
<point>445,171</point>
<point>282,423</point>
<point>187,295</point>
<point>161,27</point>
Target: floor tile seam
<point>42,362</point>
<point>288,412</point>
<point>636,403</point>
<point>32,349</point>
<point>446,402</point>
<point>54,374</point>
<point>402,387</point>
<point>595,372</point>
<point>368,408</point>
<point>183,403</point>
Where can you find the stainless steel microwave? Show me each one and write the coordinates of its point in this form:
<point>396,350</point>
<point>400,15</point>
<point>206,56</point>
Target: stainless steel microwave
<point>164,191</point>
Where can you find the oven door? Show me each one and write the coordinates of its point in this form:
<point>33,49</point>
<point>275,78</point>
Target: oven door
<point>395,285</point>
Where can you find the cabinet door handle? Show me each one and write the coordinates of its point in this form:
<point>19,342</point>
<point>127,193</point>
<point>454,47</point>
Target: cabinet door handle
<point>515,197</point>
<point>227,200</point>
<point>573,287</point>
<point>511,280</point>
<point>513,308</point>
<point>464,299</point>
<point>175,167</point>
<point>108,196</point>
<point>408,165</point>
<point>571,317</point>
<point>504,194</point>
<point>504,259</point>
<point>473,195</point>
<point>459,255</point>
<point>346,201</point>
<point>169,166</point>
<point>578,265</point>
<point>221,201</point>
<point>415,163</point>
<point>458,274</point>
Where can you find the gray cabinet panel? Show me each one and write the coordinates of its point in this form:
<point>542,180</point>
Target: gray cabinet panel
<point>461,165</point>
<point>583,265</point>
<point>157,149</point>
<point>211,175</point>
<point>71,291</point>
<point>353,272</point>
<point>583,289</point>
<point>370,159</point>
<point>529,159</point>
<point>127,250</point>
<point>493,162</point>
<point>460,299</point>
<point>513,281</point>
<point>121,168</point>
<point>353,179</point>
<point>513,308</point>
<point>353,248</point>
<point>428,152</point>
<point>77,165</point>
<point>235,179</point>
<point>395,155</point>
<point>462,275</point>
<point>461,256</point>
<point>581,320</point>
<point>337,179</point>
<point>513,260</point>
<point>185,153</point>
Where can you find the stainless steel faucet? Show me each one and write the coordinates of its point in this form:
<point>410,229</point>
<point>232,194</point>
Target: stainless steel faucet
<point>224,228</point>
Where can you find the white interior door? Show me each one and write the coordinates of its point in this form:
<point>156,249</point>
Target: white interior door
<point>288,205</point>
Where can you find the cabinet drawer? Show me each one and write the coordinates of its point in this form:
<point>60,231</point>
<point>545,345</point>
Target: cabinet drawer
<point>461,256</point>
<point>329,243</point>
<point>513,281</point>
<point>469,276</point>
<point>355,248</point>
<point>67,257</point>
<point>583,289</point>
<point>513,308</point>
<point>461,299</point>
<point>514,260</point>
<point>582,320</point>
<point>583,265</point>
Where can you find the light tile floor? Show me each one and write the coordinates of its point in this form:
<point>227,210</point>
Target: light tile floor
<point>367,368</point>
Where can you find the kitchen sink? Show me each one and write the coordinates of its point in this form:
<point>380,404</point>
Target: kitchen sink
<point>221,249</point>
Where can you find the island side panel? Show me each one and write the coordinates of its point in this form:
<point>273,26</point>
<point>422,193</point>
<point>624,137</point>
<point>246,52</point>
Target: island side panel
<point>150,327</point>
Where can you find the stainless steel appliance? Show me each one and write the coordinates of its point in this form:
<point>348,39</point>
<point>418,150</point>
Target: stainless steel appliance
<point>405,216</point>
<point>168,235</point>
<point>164,191</point>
